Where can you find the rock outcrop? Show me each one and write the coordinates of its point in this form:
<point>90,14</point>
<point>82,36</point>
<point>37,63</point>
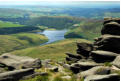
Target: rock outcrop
<point>18,67</point>
<point>18,62</point>
<point>101,60</point>
<point>16,74</point>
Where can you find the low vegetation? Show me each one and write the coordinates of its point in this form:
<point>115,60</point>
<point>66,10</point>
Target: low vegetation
<point>55,51</point>
<point>54,76</point>
<point>86,29</point>
<point>19,41</point>
<point>9,24</point>
<point>57,22</point>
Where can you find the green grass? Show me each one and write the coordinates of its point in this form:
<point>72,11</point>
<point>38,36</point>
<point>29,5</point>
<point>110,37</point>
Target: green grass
<point>86,29</point>
<point>55,51</point>
<point>18,41</point>
<point>33,39</point>
<point>53,76</point>
<point>9,24</point>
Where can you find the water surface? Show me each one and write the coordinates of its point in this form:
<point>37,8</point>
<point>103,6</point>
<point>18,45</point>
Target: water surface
<point>53,35</point>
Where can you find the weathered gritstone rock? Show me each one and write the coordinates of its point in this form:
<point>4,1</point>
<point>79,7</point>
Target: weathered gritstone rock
<point>16,74</point>
<point>47,63</point>
<point>108,20</point>
<point>19,62</point>
<point>3,66</point>
<point>67,66</point>
<point>84,49</point>
<point>112,28</point>
<point>54,69</point>
<point>34,75</point>
<point>100,59</point>
<point>111,77</point>
<point>116,62</point>
<point>82,66</point>
<point>100,70</point>
<point>70,59</point>
<point>66,77</point>
<point>74,55</point>
<point>103,56</point>
<point>108,43</point>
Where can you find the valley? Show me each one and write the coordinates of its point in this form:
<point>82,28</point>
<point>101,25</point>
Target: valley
<point>59,41</point>
<point>28,26</point>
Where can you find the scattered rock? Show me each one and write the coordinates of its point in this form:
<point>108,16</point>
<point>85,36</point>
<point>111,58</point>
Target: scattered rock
<point>116,62</point>
<point>19,62</point>
<point>67,66</point>
<point>54,69</point>
<point>66,77</point>
<point>74,55</point>
<point>32,64</point>
<point>16,74</point>
<point>72,60</point>
<point>34,75</point>
<point>47,63</point>
<point>111,77</point>
<point>100,70</point>
<point>82,66</point>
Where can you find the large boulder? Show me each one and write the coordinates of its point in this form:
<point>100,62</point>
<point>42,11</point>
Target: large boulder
<point>84,49</point>
<point>19,62</point>
<point>116,62</point>
<point>98,70</point>
<point>111,77</point>
<point>82,66</point>
<point>103,56</point>
<point>108,20</point>
<point>112,28</point>
<point>108,43</point>
<point>16,74</point>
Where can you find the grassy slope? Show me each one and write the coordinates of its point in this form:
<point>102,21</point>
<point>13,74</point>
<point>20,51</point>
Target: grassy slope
<point>9,24</point>
<point>20,40</point>
<point>86,29</point>
<point>55,51</point>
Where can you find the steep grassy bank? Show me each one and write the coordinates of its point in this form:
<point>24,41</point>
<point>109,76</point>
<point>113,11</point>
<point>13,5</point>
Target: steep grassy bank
<point>21,40</point>
<point>86,29</point>
<point>55,51</point>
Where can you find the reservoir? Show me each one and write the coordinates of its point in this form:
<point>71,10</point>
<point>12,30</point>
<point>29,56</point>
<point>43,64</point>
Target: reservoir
<point>53,35</point>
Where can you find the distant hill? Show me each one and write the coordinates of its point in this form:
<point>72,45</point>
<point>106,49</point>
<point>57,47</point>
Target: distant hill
<point>37,11</point>
<point>88,29</point>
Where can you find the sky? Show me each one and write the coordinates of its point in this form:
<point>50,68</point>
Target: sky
<point>53,2</point>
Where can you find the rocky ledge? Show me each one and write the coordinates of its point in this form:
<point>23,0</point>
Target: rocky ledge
<point>100,60</point>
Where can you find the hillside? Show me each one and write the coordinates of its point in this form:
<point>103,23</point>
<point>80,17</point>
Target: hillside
<point>18,41</point>
<point>58,22</point>
<point>55,51</point>
<point>88,29</point>
<point>9,24</point>
<point>12,28</point>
